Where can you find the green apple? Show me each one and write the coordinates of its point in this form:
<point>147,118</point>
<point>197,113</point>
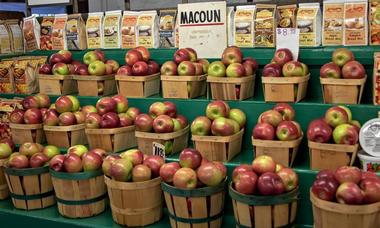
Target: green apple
<point>349,113</point>
<point>217,69</point>
<point>90,57</point>
<point>75,101</point>
<point>345,134</point>
<point>177,125</point>
<point>97,68</point>
<point>238,115</point>
<point>50,151</point>
<point>168,147</point>
<point>78,150</point>
<point>5,150</point>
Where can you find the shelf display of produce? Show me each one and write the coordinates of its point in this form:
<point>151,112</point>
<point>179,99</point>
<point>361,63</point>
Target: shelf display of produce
<point>307,110</point>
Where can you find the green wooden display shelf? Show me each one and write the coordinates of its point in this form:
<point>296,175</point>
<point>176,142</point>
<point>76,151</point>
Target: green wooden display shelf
<point>307,110</point>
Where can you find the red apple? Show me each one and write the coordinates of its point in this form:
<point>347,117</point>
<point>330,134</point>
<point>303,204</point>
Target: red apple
<point>186,68</point>
<point>30,102</point>
<point>106,104</point>
<point>99,151</point>
<point>51,118</point>
<point>133,155</point>
<point>232,55</point>
<point>282,56</point>
<point>82,70</point>
<point>153,67</point>
<point>171,109</point>
<point>43,100</point>
<point>326,173</point>
<point>80,117</point>
<point>205,63</point>
<point>141,173</point>
<point>286,110</point>
<point>251,61</point>
<point>163,124</point>
<point>33,116</point>
<point>144,52</point>
<point>110,120</point>
<point>121,103</point>
<point>67,56</point>
<point>319,131</point>
<point>60,69</point>
<point>349,193</point>
<point>114,64</point>
<point>144,122</point>
<point>45,69</point>
<point>224,127</point>
<point>125,120</point>
<point>67,119</point>
<point>56,163</point>
<point>270,184</point>
<point>348,174</point>
<point>168,170</point>
<point>217,109</point>
<point>209,174</point>
<point>368,175</point>
<point>56,58</point>
<point>154,162</point>
<point>353,70</point>
<point>121,170</point>
<point>235,70</point>
<point>91,161</point>
<point>106,166</point>
<point>17,116</point>
<point>190,158</point>
<point>63,104</point>
<point>198,68</point>
<point>245,182</point>
<point>193,54</point>
<point>293,69</point>
<point>201,126</point>
<point>182,120</point>
<point>263,131</point>
<point>185,178</point>
<point>288,130</point>
<point>18,161</point>
<point>371,190</point>
<point>248,68</point>
<point>271,117</point>
<point>181,55</point>
<point>325,188</point>
<point>239,169</point>
<point>157,108</point>
<point>73,163</point>
<point>38,160</point>
<point>263,164</point>
<point>345,134</point>
<point>133,112</point>
<point>169,68</point>
<point>133,56</point>
<point>330,70</point>
<point>336,115</point>
<point>289,178</point>
<point>272,70</point>
<point>140,68</point>
<point>125,71</point>
<point>93,120</point>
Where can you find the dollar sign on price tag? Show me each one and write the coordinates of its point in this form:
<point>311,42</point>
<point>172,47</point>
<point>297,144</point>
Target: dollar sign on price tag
<point>159,149</point>
<point>288,38</point>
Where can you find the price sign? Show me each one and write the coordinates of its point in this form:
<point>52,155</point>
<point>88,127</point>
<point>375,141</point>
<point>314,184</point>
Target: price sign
<point>159,149</point>
<point>288,38</point>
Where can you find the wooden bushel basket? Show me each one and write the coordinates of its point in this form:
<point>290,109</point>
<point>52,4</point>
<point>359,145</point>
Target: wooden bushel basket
<point>111,139</point>
<point>57,84</point>
<point>330,214</point>
<point>224,88</point>
<point>219,148</point>
<point>283,152</point>
<point>342,91</point>
<point>66,136</point>
<point>183,86</point>
<point>4,192</point>
<point>331,156</point>
<point>284,89</point>
<point>202,207</point>
<point>79,195</point>
<point>264,211</point>
<point>179,139</point>
<point>30,188</point>
<point>94,85</point>
<point>22,133</point>
<point>135,203</point>
<point>138,86</point>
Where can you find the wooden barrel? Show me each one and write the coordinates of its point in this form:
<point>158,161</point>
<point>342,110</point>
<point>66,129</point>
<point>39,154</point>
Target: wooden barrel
<point>135,203</point>
<point>30,188</point>
<point>202,207</point>
<point>264,211</point>
<point>330,214</point>
<point>79,195</point>
<point>4,192</point>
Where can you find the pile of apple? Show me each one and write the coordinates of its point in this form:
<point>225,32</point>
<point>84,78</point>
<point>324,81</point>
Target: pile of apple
<point>111,112</point>
<point>77,159</point>
<point>132,166</point>
<point>32,155</point>
<point>343,65</point>
<point>185,63</point>
<point>220,120</point>
<point>34,107</point>
<point>233,64</point>
<point>64,112</point>
<point>264,177</point>
<point>193,171</point>
<point>277,123</point>
<point>137,63</point>
<point>94,63</point>
<point>284,65</point>
<point>347,185</point>
<point>337,126</point>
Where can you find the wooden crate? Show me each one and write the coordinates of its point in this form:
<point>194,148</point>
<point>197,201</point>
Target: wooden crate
<point>202,207</point>
<point>264,211</point>
<point>65,136</point>
<point>30,188</point>
<point>342,91</point>
<point>4,192</point>
<point>224,88</point>
<point>57,84</point>
<point>331,156</point>
<point>135,203</point>
<point>22,133</point>
<point>183,86</point>
<point>138,86</point>
<point>179,138</point>
<point>219,148</point>
<point>330,214</point>
<point>112,139</point>
<point>79,195</point>
<point>284,89</point>
<point>283,152</point>
<point>94,85</point>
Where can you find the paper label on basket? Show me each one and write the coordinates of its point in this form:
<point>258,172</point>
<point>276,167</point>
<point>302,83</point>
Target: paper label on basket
<point>159,149</point>
<point>369,137</point>
<point>288,38</point>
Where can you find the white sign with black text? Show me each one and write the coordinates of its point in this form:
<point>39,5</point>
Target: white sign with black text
<point>159,149</point>
<point>288,38</point>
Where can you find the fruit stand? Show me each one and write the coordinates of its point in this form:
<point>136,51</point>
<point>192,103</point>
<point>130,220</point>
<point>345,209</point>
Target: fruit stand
<point>307,110</point>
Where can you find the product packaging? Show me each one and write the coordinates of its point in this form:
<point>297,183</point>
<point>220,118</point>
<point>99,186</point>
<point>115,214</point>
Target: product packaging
<point>76,32</point>
<point>59,32</point>
<point>265,25</point>
<point>167,28</point>
<point>355,23</point>
<point>309,23</point>
<point>111,33</point>
<point>333,16</point>
<point>94,30</point>
<point>244,26</point>
<point>31,30</point>
<point>128,29</point>
<point>147,29</point>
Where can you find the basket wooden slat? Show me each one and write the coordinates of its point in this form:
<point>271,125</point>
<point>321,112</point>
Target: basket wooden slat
<point>179,138</point>
<point>89,85</point>
<point>282,89</point>
<point>112,139</point>
<point>183,86</point>
<point>79,195</point>
<point>330,214</point>
<point>219,148</point>
<point>283,152</point>
<point>30,188</point>
<point>57,84</point>
<point>135,203</point>
<point>331,156</point>
<point>342,91</point>
<point>138,86</point>
<point>224,88</point>
<point>66,136</point>
<point>22,133</point>
<point>4,192</point>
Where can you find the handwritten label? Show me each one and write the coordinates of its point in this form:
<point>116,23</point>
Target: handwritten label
<point>288,38</point>
<point>159,149</point>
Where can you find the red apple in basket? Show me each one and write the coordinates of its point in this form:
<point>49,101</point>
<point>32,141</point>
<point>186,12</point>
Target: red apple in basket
<point>293,69</point>
<point>210,174</point>
<point>181,55</point>
<point>56,58</point>
<point>288,130</point>
<point>125,71</point>
<point>91,161</point>
<point>348,174</point>
<point>205,63</point>
<point>158,108</point>
<point>245,182</point>
<point>168,170</point>
<point>326,173</point>
<point>232,55</point>
<point>319,131</point>
<point>201,126</point>
<point>272,70</point>
<point>289,178</point>
<point>349,193</point>
<point>356,124</point>
<point>248,68</point>
<point>241,168</point>
<point>140,68</point>
<point>263,131</point>
<point>345,134</point>
<point>163,124</point>
<point>154,162</point>
<point>271,117</point>
<point>368,175</point>
<point>251,61</point>
<point>73,163</point>
<point>17,116</point>
<point>153,67</point>
<point>235,70</point>
<point>43,100</point>
<point>330,70</point>
<point>193,54</point>
<point>18,161</point>
<point>169,68</point>
<point>190,158</point>
<point>198,68</point>
<point>63,104</point>
<point>51,118</point>
<point>106,104</point>
<point>33,116</point>
<point>93,120</point>
<point>341,56</point>
<point>56,163</point>
<point>81,70</point>
<point>100,54</point>
<point>108,70</point>
<point>141,173</point>
<point>371,190</point>
<point>222,126</point>
<point>133,112</point>
<point>185,178</point>
<point>71,68</point>
<point>125,120</point>
<point>30,102</point>
<point>186,68</point>
<point>286,110</point>
<point>263,164</point>
<point>183,121</point>
<point>114,64</point>
<point>217,109</point>
<point>67,56</point>
<point>171,109</point>
<point>79,150</point>
<point>133,56</point>
<point>353,70</point>
<point>45,69</point>
<point>336,115</point>
<point>238,115</point>
<point>106,166</point>
<point>282,56</point>
<point>67,119</point>
<point>60,69</point>
<point>134,155</point>
<point>144,52</point>
<point>121,170</point>
<point>144,123</point>
<point>80,117</point>
<point>110,120</point>
<point>270,184</point>
<point>121,103</point>
<point>38,160</point>
<point>325,188</point>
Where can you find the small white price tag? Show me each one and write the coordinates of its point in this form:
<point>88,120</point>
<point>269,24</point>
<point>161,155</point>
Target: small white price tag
<point>288,38</point>
<point>159,149</point>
